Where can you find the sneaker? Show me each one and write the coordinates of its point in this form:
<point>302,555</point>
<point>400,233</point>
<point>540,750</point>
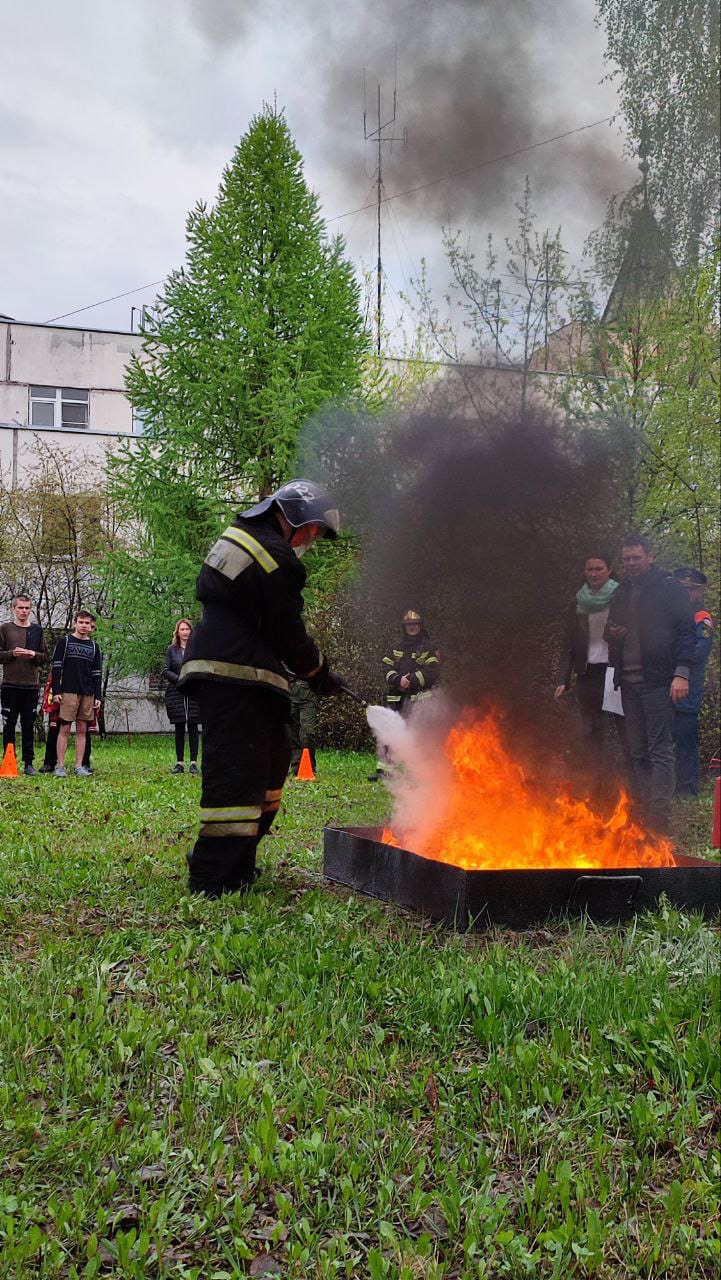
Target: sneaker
<point>47,768</point>
<point>30,772</point>
<point>59,771</point>
<point>193,768</point>
<point>82,771</point>
<point>177,768</point>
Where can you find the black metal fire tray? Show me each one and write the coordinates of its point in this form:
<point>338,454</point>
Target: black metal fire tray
<point>357,857</point>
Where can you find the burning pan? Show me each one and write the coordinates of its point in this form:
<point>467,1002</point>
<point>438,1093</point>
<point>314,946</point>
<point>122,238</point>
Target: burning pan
<point>355,856</point>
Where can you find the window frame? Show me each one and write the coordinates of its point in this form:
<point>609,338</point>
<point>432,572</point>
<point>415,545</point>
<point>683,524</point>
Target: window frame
<point>63,396</point>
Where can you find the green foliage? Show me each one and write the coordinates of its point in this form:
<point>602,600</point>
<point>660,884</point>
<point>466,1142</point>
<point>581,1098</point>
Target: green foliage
<point>666,54</point>
<point>258,331</point>
<point>650,378</point>
<point>195,1089</point>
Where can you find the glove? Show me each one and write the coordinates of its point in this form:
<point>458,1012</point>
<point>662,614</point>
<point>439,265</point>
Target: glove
<point>325,681</point>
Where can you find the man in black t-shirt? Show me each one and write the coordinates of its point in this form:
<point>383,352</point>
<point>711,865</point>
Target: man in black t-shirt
<point>76,673</point>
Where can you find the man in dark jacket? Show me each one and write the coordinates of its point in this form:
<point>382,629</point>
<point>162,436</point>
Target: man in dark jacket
<point>238,662</point>
<point>685,712</point>
<point>22,650</point>
<point>650,636</point>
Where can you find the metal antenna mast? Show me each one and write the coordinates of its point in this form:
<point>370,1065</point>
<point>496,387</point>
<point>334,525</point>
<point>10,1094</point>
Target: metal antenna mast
<point>380,136</point>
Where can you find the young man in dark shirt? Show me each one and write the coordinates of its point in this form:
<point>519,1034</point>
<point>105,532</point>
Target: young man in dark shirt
<point>76,673</point>
<point>22,651</point>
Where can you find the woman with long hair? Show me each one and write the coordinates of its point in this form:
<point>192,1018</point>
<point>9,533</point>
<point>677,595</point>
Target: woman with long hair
<point>182,710</point>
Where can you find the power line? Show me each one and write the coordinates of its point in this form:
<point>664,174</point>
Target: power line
<point>398,195</point>
<point>92,305</point>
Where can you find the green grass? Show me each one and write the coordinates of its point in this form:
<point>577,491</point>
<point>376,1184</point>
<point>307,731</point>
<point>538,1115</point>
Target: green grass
<point>305,1083</point>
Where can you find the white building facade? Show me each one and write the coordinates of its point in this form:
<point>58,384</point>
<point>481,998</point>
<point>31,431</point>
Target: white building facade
<point>64,387</point>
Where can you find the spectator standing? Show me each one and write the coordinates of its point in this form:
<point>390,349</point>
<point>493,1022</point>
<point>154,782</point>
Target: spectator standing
<point>52,711</point>
<point>585,655</point>
<point>183,711</point>
<point>411,669</point>
<point>686,710</point>
<point>650,636</point>
<point>22,651</point>
<point>76,685</point>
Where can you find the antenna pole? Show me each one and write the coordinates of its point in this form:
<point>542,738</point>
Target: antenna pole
<point>380,137</point>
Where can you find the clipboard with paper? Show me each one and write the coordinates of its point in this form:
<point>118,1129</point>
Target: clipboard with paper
<point>611,697</point>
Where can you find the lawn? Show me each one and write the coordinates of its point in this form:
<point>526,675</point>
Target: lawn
<point>303,1083</point>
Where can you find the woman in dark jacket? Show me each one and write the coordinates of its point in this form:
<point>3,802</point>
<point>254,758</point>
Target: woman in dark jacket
<point>181,709</point>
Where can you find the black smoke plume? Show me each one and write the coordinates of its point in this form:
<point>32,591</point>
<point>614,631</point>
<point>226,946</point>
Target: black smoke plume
<point>476,79</point>
<point>481,527</point>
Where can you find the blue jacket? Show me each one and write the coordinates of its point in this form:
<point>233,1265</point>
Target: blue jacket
<point>704,639</point>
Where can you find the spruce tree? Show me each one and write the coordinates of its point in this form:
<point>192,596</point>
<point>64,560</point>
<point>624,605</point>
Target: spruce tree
<point>251,337</point>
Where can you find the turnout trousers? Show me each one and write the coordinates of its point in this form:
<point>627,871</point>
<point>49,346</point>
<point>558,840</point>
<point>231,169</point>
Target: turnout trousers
<point>245,758</point>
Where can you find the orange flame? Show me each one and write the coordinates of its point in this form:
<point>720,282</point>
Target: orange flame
<point>494,821</point>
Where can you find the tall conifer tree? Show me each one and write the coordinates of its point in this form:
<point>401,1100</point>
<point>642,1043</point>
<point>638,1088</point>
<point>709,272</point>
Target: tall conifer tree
<point>253,335</point>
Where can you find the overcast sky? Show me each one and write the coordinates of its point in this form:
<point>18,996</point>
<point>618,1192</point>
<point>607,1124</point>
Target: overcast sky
<point>116,118</point>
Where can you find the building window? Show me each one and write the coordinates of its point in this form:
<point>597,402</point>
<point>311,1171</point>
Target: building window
<point>141,418</point>
<point>59,407</point>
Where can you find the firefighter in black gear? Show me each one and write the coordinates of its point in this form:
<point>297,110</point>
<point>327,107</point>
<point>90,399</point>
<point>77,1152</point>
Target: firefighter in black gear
<point>238,664</point>
<point>411,670</point>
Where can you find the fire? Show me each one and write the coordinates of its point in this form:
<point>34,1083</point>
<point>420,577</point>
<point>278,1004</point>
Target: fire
<point>494,820</point>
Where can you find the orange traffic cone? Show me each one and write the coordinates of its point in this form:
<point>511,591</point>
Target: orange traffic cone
<point>9,766</point>
<point>305,768</point>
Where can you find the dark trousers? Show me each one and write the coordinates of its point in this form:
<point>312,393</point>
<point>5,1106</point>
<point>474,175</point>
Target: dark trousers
<point>595,723</point>
<point>303,721</point>
<point>685,724</point>
<point>246,753</point>
<point>21,703</point>
<point>649,726</point>
<point>180,740</point>
<point>51,747</point>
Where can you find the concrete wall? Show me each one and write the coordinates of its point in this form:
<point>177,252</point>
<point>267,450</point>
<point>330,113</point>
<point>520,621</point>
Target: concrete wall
<point>65,357</point>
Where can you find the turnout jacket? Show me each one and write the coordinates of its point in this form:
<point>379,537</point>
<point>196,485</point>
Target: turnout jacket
<point>412,657</point>
<point>703,626</point>
<point>665,627</point>
<point>252,631</point>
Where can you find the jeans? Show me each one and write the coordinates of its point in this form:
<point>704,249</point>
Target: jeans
<point>19,701</point>
<point>686,735</point>
<point>649,729</point>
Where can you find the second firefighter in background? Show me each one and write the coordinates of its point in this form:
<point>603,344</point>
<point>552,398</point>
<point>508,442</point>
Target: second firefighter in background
<point>411,671</point>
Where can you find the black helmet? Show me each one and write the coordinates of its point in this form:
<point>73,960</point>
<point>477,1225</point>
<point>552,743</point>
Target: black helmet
<point>302,502</point>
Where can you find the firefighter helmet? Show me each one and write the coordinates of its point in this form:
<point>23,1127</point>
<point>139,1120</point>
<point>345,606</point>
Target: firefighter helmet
<point>410,616</point>
<point>302,502</point>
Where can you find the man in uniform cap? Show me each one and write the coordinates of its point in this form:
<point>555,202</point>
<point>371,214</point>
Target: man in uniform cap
<point>239,661</point>
<point>687,710</point>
